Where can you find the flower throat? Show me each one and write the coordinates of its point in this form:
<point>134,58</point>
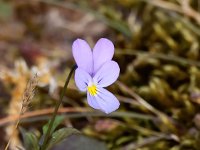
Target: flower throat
<point>92,90</point>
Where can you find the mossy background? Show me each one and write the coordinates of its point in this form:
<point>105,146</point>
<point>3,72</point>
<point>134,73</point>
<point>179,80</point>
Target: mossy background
<point>157,47</point>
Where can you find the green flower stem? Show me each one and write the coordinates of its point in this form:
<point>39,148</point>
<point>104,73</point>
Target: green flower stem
<point>48,134</point>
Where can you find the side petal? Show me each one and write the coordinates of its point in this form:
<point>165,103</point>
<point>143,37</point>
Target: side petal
<point>82,79</point>
<point>107,74</point>
<point>92,102</point>
<point>103,51</point>
<point>83,55</point>
<point>106,101</point>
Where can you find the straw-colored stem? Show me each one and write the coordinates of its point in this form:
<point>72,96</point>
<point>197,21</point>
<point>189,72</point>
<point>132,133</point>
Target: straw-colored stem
<point>15,128</point>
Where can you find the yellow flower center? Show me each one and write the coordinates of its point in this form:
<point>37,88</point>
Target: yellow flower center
<point>92,90</point>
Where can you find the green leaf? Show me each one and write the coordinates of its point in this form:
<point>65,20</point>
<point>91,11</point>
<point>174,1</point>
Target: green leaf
<point>30,140</point>
<point>80,142</point>
<point>57,122</point>
<point>60,135</point>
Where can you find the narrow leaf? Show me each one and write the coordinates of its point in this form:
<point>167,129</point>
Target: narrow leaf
<point>30,140</point>
<point>60,135</point>
<point>57,122</point>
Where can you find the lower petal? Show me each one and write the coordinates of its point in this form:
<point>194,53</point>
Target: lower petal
<point>106,101</point>
<point>92,102</point>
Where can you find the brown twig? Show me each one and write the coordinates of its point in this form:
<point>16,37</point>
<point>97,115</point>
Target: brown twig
<point>163,117</point>
<point>42,112</point>
<point>185,8</point>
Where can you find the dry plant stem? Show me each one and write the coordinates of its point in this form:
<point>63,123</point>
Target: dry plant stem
<point>169,57</point>
<point>26,99</point>
<point>184,9</point>
<point>139,99</point>
<point>71,112</point>
<point>43,112</point>
<point>150,140</point>
<point>16,125</point>
<point>163,117</point>
<point>79,110</point>
<point>48,134</point>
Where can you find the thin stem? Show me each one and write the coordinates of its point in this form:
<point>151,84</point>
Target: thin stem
<point>48,134</point>
<point>14,130</point>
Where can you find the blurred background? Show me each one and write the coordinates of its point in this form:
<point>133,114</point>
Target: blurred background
<point>157,47</point>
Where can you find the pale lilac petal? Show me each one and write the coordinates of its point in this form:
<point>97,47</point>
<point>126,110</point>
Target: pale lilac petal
<point>107,74</point>
<point>92,102</point>
<point>106,101</point>
<point>83,55</point>
<point>103,51</point>
<point>82,79</point>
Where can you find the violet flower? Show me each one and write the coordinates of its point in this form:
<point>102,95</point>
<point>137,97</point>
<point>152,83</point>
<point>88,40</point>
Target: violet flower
<point>95,71</point>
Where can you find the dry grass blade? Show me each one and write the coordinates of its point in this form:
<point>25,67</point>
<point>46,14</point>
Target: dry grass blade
<point>150,140</point>
<point>168,57</point>
<point>163,117</point>
<point>26,99</point>
<point>29,93</point>
<point>184,8</point>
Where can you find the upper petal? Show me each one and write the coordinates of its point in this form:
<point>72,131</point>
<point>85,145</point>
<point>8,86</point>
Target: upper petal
<point>103,51</point>
<point>82,79</point>
<point>106,101</point>
<point>83,55</point>
<point>107,74</point>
